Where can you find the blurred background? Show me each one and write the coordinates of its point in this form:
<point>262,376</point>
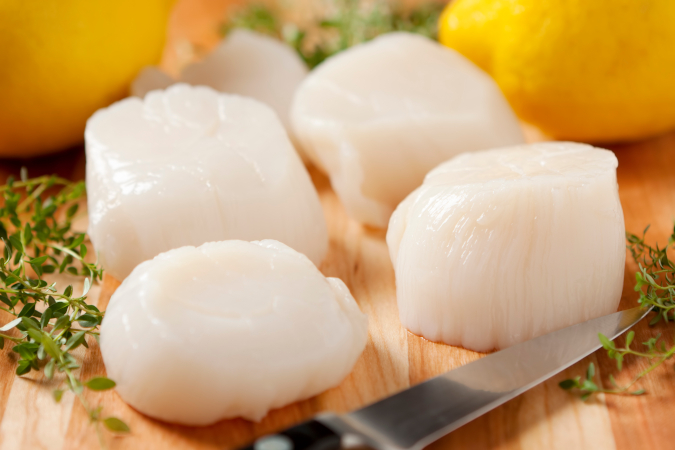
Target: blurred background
<point>591,71</point>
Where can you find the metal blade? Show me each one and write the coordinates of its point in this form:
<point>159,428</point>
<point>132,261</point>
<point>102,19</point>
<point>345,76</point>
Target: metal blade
<point>418,416</point>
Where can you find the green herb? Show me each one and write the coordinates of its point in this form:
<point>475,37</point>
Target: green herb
<point>655,283</point>
<point>49,323</point>
<point>344,24</point>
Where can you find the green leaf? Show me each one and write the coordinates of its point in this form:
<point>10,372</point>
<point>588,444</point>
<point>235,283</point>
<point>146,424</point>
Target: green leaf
<point>87,320</point>
<point>27,233</point>
<point>5,299</point>
<point>39,261</point>
<point>62,267</point>
<point>27,350</point>
<point>568,384</point>
<point>72,210</point>
<point>27,310</point>
<point>30,323</point>
<point>11,279</point>
<point>83,250</point>
<point>588,385</point>
<point>58,394</point>
<point>116,425</point>
<point>100,384</point>
<point>629,338</point>
<point>606,343</point>
<point>650,343</point>
<point>78,240</point>
<point>46,317</point>
<point>74,341</point>
<point>59,309</point>
<point>92,308</point>
<point>35,334</point>
<point>62,322</point>
<point>41,353</point>
<point>50,346</point>
<point>16,243</point>
<point>49,369</point>
<point>69,291</point>
<point>590,373</point>
<point>638,392</point>
<point>23,367</point>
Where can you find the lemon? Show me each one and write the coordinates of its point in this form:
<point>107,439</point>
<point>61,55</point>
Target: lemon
<point>61,60</point>
<point>587,70</point>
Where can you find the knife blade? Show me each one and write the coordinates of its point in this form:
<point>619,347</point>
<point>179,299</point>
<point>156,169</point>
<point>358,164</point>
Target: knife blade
<point>415,417</point>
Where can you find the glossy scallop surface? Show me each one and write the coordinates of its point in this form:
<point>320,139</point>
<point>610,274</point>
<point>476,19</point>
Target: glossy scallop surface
<point>228,329</point>
<point>499,246</point>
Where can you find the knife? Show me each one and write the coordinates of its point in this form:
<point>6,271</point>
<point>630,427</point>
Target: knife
<point>415,417</point>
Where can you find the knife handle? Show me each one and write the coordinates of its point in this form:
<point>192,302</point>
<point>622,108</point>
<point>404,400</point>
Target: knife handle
<point>311,435</point>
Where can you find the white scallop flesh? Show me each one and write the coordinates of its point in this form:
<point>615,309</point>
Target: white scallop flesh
<point>254,65</point>
<point>500,246</point>
<point>190,165</point>
<point>228,329</point>
<point>379,116</point>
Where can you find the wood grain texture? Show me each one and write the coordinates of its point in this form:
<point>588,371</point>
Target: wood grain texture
<point>545,417</point>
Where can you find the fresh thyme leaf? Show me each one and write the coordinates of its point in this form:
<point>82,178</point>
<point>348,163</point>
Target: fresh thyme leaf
<point>37,238</point>
<point>100,384</point>
<point>75,341</point>
<point>568,384</point>
<point>655,283</point>
<point>23,367</point>
<point>116,425</point>
<point>344,24</point>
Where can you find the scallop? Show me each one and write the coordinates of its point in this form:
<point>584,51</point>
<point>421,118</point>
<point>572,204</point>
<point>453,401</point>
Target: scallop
<point>190,165</point>
<point>379,116</point>
<point>228,329</point>
<point>245,63</point>
<point>500,246</point>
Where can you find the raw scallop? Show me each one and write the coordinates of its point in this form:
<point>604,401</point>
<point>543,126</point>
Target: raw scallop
<point>228,329</point>
<point>499,246</point>
<point>254,65</point>
<point>379,116</point>
<point>245,63</point>
<point>190,165</point>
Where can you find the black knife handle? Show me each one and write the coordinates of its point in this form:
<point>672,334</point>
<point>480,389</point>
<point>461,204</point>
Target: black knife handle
<point>311,435</point>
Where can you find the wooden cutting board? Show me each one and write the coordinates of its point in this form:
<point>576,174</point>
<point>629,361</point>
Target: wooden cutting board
<point>545,417</point>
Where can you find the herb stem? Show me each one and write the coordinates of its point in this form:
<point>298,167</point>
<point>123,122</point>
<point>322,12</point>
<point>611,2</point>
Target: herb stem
<point>37,239</point>
<point>10,338</point>
<point>655,283</point>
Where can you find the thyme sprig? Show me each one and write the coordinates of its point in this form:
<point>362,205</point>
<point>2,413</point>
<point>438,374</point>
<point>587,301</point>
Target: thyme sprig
<point>48,323</point>
<point>342,24</point>
<point>655,283</point>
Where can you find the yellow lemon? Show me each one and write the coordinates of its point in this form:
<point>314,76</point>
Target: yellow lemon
<point>61,60</point>
<point>588,70</point>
